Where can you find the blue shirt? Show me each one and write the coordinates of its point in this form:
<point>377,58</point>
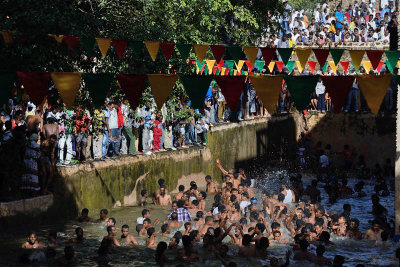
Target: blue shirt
<point>385,10</point>
<point>339,17</point>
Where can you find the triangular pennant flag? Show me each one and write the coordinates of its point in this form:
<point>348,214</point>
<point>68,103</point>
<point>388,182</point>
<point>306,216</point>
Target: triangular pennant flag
<point>67,84</point>
<point>196,88</point>
<point>324,66</point>
<point>36,85</point>
<point>271,66</point>
<point>279,65</point>
<point>230,63</point>
<point>161,87</point>
<point>375,57</point>
<point>7,37</point>
<point>321,55</point>
<point>223,71</point>
<point>231,87</point>
<point>303,55</point>
<point>333,66</point>
<point>260,65</point>
<point>345,65</point>
<point>312,65</point>
<point>301,88</point>
<point>268,54</point>
<point>7,80</point>
<point>398,63</point>
<point>285,54</point>
<point>137,47</point>
<point>235,52</point>
<point>389,66</point>
<point>235,72</point>
<point>338,88</point>
<point>58,38</point>
<point>336,55</point>
<point>268,88</point>
<point>120,47</point>
<point>200,51</point>
<point>374,89</point>
<point>367,66</point>
<point>87,43</point>
<point>167,49</point>
<point>251,54</point>
<point>290,66</point>
<point>152,48</point>
<point>199,66</point>
<point>380,65</point>
<point>218,51</point>
<point>210,65</point>
<point>392,56</point>
<point>356,69</point>
<point>299,67</point>
<point>104,45</point>
<point>71,41</point>
<point>249,65</point>
<point>98,86</point>
<point>356,57</point>
<point>133,86</point>
<point>239,65</point>
<point>220,64</point>
<point>184,50</point>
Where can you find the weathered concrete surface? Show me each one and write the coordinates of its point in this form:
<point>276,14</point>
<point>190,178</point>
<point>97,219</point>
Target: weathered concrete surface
<point>31,206</point>
<point>397,169</point>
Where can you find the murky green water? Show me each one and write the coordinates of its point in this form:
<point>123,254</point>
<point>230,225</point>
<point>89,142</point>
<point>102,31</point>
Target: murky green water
<point>369,253</point>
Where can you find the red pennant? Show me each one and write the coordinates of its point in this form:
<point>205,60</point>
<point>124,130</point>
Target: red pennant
<point>251,73</point>
<point>249,66</point>
<point>378,69</point>
<point>345,65</point>
<point>231,87</point>
<point>120,47</point>
<point>338,87</point>
<point>321,55</point>
<point>218,51</point>
<point>36,85</point>
<point>280,65</point>
<point>132,85</point>
<point>375,57</point>
<point>220,64</point>
<point>312,65</point>
<point>227,72</point>
<point>215,68</point>
<point>167,49</point>
<point>71,41</point>
<point>268,54</point>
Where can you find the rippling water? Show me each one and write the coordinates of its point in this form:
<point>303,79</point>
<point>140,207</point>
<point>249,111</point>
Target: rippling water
<point>369,253</point>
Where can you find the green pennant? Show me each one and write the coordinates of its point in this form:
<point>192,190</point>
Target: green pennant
<point>325,66</point>
<point>184,50</point>
<point>301,88</point>
<point>196,88</point>
<point>7,80</point>
<point>88,45</point>
<point>396,78</point>
<point>231,71</point>
<point>285,54</point>
<point>242,72</point>
<point>205,72</point>
<point>229,63</point>
<point>199,65</point>
<point>389,66</point>
<point>336,55</point>
<point>218,72</point>
<point>235,52</point>
<point>98,86</point>
<point>393,57</point>
<point>137,48</point>
<point>260,65</point>
<point>290,66</point>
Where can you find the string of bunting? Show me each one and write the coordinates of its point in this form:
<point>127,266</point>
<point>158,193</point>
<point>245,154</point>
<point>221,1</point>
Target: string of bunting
<point>268,87</point>
<point>88,44</point>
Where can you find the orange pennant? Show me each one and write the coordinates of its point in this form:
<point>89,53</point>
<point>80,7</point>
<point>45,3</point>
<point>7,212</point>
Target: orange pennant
<point>152,47</point>
<point>161,87</point>
<point>251,53</point>
<point>200,51</point>
<point>67,84</point>
<point>104,45</point>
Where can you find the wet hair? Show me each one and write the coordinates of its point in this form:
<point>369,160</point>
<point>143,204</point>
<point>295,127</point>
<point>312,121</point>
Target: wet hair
<point>85,210</point>
<point>162,186</point>
<point>237,206</point>
<point>180,203</point>
<point>243,221</point>
<point>143,192</point>
<point>276,232</point>
<point>161,247</point>
<point>113,220</point>
<point>355,220</point>
<point>307,213</point>
<point>125,226</point>
<point>324,236</point>
<point>195,202</point>
<point>233,198</point>
<point>192,183</point>
<point>139,227</point>
<point>109,228</point>
<point>164,228</point>
<point>319,221</point>
<point>161,182</point>
<point>181,188</point>
<point>250,229</point>
<point>304,244</point>
<point>193,234</point>
<point>208,177</point>
<point>199,214</point>
<point>203,194</point>
<point>246,240</point>
<point>320,250</point>
<point>229,184</point>
<point>300,223</point>
<point>147,220</point>
<point>281,197</point>
<point>208,218</point>
<point>338,260</point>
<point>178,235</point>
<point>210,231</point>
<point>246,195</point>
<point>187,224</point>
<point>275,225</point>
<point>105,211</point>
<point>261,227</point>
<point>221,209</point>
<point>263,243</point>
<point>254,215</point>
<point>236,175</point>
<point>78,229</point>
<point>150,231</point>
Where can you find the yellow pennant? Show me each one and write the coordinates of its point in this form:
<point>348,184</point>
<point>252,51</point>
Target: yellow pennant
<point>161,87</point>
<point>223,71</point>
<point>374,89</point>
<point>251,53</point>
<point>333,66</point>
<point>200,51</point>
<point>268,88</point>
<point>398,63</point>
<point>152,47</point>
<point>210,65</point>
<point>299,66</point>
<point>235,72</point>
<point>58,38</point>
<point>7,37</point>
<point>104,45</point>
<point>271,66</point>
<point>303,55</point>
<point>239,65</point>
<point>367,65</point>
<point>67,84</point>
<point>356,56</point>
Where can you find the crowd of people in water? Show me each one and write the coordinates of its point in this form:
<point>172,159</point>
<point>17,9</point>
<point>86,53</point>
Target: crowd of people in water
<point>234,219</point>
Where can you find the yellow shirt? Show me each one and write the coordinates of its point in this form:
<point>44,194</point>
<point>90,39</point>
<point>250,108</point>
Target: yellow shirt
<point>332,28</point>
<point>292,43</point>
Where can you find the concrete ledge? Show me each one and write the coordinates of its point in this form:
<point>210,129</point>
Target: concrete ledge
<point>26,206</point>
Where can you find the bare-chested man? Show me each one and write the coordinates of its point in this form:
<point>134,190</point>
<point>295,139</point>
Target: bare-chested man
<point>50,128</point>
<point>32,242</point>
<point>164,199</point>
<point>157,192</point>
<point>212,187</point>
<point>47,161</point>
<point>374,233</point>
<point>126,238</point>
